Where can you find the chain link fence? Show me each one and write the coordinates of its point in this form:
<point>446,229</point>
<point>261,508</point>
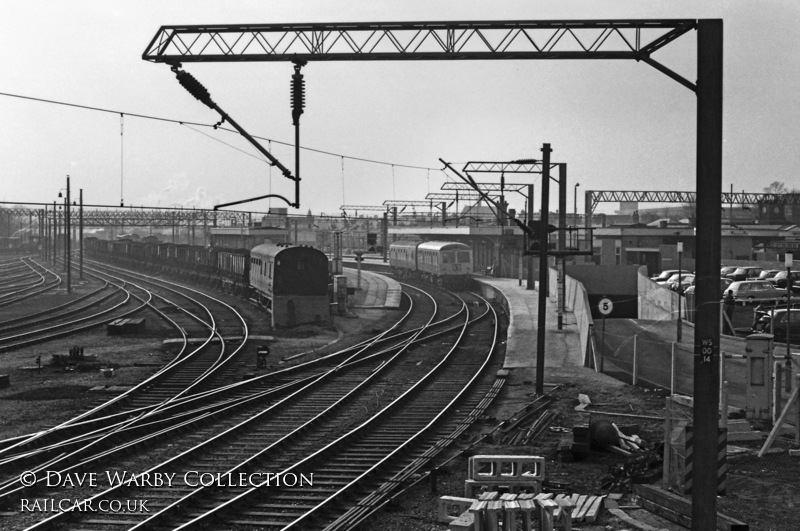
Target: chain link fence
<point>763,491</point>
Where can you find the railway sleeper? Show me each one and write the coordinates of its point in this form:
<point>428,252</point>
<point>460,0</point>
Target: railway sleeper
<point>291,512</point>
<point>358,453</point>
<point>259,523</point>
<point>110,521</point>
<point>301,506</point>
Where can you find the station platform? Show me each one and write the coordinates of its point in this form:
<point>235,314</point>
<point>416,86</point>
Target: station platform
<point>563,356</point>
<point>377,291</point>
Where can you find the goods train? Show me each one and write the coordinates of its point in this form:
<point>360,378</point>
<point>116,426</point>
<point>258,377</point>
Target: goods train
<point>446,264</point>
<point>291,281</point>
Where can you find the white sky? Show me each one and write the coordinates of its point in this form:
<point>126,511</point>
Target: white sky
<point>619,125</point>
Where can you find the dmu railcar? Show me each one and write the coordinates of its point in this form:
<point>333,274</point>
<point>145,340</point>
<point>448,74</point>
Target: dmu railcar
<point>446,264</point>
<point>292,281</point>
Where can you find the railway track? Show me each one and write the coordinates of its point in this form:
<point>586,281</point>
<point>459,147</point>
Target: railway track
<point>181,377</point>
<point>359,373</point>
<point>41,280</point>
<point>203,405</point>
<point>83,433</point>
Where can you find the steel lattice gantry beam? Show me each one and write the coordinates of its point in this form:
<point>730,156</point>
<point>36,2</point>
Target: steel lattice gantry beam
<point>594,197</point>
<point>102,216</point>
<point>399,203</point>
<point>374,208</point>
<point>485,187</point>
<point>455,195</point>
<point>397,41</point>
<point>161,218</point>
<point>519,166</point>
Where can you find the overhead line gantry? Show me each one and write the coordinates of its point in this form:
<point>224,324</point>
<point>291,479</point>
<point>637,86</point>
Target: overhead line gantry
<point>635,40</point>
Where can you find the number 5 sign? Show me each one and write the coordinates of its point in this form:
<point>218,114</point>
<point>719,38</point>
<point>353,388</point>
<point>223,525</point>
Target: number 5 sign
<point>605,306</point>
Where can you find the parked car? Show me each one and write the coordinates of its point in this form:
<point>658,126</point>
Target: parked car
<point>747,291</point>
<point>685,282</point>
<point>768,274</point>
<point>665,275</point>
<point>783,320</point>
<point>745,273</point>
<point>779,280</point>
<point>724,282</point>
<point>726,270</point>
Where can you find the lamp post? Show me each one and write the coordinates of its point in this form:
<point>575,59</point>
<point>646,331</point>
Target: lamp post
<point>575,214</point>
<point>67,239</point>
<point>789,257</point>
<point>55,234</point>
<point>80,242</point>
<point>44,233</point>
<point>680,303</point>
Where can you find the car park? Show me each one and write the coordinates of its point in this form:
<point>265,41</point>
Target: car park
<point>723,286</point>
<point>749,291</point>
<point>768,274</point>
<point>778,322</point>
<point>779,280</point>
<point>745,273</point>
<point>680,283</point>
<point>665,275</point>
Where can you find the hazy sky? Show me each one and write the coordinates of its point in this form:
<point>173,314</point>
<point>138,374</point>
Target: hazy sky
<point>619,125</point>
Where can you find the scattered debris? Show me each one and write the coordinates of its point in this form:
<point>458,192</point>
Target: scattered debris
<point>678,509</point>
<point>527,424</point>
<point>608,436</point>
<point>585,405</point>
<point>647,467</point>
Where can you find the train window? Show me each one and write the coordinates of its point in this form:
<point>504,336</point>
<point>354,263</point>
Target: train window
<point>448,257</point>
<point>463,257</point>
<point>270,270</point>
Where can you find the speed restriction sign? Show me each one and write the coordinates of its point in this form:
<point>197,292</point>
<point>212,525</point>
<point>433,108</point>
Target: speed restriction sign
<point>605,306</point>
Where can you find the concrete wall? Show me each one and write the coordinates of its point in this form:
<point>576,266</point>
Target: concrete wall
<point>655,302</point>
<point>576,299</point>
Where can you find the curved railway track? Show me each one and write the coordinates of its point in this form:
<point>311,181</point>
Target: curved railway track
<point>202,405</point>
<point>346,386</point>
<point>37,284</point>
<point>391,403</point>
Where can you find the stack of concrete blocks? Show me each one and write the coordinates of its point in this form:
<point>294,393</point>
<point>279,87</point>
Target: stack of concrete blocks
<point>508,512</point>
<point>512,473</point>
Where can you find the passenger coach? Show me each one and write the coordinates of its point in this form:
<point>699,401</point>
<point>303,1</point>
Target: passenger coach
<point>292,282</point>
<point>447,264</point>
